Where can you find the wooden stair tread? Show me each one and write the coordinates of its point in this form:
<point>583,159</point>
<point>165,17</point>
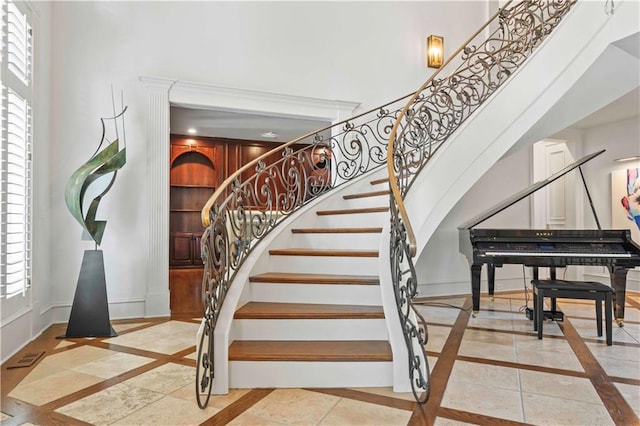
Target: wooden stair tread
<point>366,194</point>
<point>313,350</point>
<point>352,211</point>
<point>295,278</point>
<point>381,180</point>
<point>323,252</point>
<point>336,230</point>
<point>273,310</point>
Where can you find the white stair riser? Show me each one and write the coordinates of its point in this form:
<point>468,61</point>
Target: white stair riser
<point>353,220</point>
<point>297,374</point>
<point>362,202</point>
<point>380,186</point>
<point>324,264</point>
<point>338,294</point>
<point>336,240</point>
<point>309,329</point>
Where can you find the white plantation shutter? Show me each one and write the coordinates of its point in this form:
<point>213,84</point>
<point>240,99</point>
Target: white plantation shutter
<point>15,159</point>
<point>18,44</point>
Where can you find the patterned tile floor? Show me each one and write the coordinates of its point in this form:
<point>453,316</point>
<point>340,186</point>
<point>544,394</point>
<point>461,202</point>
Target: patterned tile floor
<point>485,370</point>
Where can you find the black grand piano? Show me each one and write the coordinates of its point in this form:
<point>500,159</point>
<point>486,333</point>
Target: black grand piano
<point>548,247</point>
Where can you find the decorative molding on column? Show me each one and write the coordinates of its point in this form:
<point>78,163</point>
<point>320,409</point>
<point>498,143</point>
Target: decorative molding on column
<point>163,93</point>
<point>157,296</point>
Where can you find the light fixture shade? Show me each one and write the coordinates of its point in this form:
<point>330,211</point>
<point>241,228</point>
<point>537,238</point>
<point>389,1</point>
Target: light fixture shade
<point>435,51</point>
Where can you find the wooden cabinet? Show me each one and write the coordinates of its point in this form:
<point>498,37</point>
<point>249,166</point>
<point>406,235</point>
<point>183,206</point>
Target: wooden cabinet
<point>185,223</point>
<point>193,181</point>
<point>184,249</point>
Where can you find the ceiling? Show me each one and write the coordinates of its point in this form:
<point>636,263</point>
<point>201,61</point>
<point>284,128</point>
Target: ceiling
<point>247,126</point>
<point>235,125</point>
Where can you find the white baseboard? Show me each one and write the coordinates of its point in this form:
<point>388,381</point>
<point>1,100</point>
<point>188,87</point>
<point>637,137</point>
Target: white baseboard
<point>117,310</point>
<point>455,288</point>
<point>458,288</point>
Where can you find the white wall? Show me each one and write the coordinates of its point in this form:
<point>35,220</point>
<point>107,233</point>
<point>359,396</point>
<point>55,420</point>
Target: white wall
<point>365,52</point>
<point>621,140</point>
<point>441,268</point>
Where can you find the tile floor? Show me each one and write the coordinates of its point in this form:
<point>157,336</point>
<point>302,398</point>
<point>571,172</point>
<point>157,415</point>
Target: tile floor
<point>488,369</point>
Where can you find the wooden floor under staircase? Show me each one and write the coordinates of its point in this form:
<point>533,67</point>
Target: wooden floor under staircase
<point>295,333</point>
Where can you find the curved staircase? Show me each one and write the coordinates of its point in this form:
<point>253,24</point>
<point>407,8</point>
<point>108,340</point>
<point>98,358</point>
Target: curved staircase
<point>323,299</point>
<point>315,317</point>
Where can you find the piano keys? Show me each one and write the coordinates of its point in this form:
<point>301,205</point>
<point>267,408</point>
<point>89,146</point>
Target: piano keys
<point>613,249</point>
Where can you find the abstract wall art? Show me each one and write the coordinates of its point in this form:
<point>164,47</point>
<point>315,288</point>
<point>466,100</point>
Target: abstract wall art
<point>625,200</point>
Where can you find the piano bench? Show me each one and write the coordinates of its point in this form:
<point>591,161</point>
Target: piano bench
<point>573,290</point>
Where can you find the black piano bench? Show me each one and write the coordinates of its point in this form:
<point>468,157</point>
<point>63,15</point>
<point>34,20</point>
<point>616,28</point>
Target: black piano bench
<point>573,290</point>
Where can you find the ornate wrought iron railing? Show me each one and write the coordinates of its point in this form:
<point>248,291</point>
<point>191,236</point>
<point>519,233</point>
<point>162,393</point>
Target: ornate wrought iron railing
<point>470,76</point>
<point>256,198</point>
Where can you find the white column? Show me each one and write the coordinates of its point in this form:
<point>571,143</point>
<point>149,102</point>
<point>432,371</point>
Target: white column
<point>157,297</point>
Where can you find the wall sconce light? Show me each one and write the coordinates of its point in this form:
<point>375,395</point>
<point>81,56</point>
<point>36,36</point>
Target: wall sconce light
<point>435,51</point>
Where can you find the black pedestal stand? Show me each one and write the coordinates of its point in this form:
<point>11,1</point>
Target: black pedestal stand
<point>90,310</point>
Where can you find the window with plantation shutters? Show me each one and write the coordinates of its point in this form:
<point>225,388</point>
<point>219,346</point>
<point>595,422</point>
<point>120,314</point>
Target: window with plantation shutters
<point>15,160</point>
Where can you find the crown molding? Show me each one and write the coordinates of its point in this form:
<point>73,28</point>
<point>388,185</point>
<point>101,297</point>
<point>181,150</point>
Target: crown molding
<point>211,96</point>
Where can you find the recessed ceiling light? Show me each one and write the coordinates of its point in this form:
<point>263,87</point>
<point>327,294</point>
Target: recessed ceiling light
<point>269,135</point>
<point>191,131</point>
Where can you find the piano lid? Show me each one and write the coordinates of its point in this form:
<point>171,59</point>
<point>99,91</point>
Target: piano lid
<point>525,192</point>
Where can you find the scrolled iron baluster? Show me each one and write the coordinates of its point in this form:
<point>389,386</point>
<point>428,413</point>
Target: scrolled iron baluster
<point>319,158</point>
<point>292,176</point>
<point>413,326</point>
<point>214,249</point>
<point>204,365</point>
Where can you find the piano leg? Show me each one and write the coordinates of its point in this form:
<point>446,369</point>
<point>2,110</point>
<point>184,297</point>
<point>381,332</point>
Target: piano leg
<point>491,278</point>
<point>619,284</point>
<point>552,275</point>
<point>475,288</point>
